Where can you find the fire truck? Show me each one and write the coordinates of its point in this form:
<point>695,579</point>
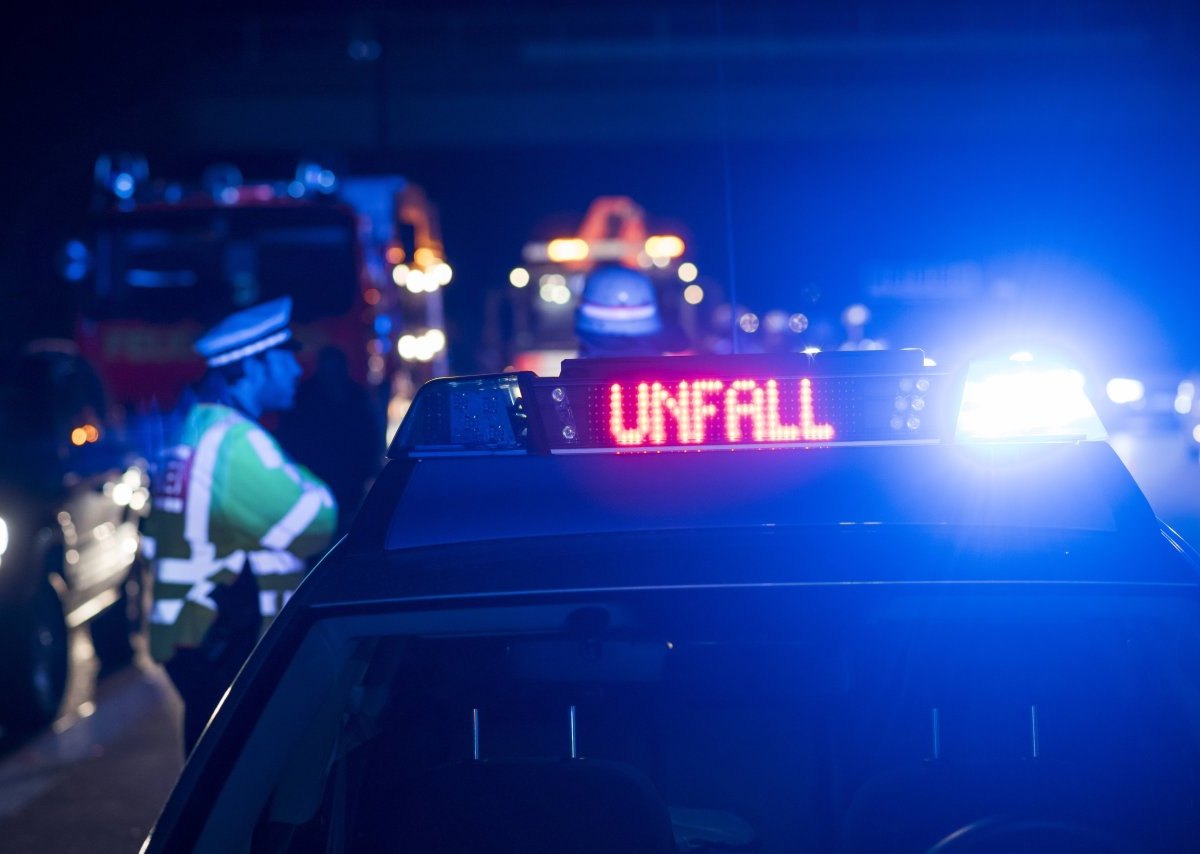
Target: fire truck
<point>361,256</point>
<point>534,325</point>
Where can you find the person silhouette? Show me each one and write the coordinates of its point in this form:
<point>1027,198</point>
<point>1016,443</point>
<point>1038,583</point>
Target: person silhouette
<point>337,430</point>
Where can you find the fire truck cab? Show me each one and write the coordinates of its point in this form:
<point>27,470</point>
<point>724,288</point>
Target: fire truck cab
<point>167,259</point>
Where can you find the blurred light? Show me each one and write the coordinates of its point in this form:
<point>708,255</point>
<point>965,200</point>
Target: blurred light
<point>693,294</point>
<point>554,289</point>
<point>664,246</point>
<point>775,321</point>
<point>376,364</point>
<point>383,325</point>
<point>415,281</point>
<point>296,190</point>
<point>442,273</point>
<point>1001,402</point>
<point>1021,356</point>
<point>3,536</point>
<point>644,261</point>
<point>421,348</point>
<point>856,315</point>
<point>78,437</point>
<point>371,296</point>
<point>798,322</point>
<point>688,272</point>
<point>326,180</point>
<point>395,255</point>
<point>748,322</point>
<point>123,186</point>
<point>400,275</point>
<point>930,363</point>
<point>811,351</point>
<point>1185,397</point>
<point>1124,390</point>
<point>91,432</point>
<point>425,257</point>
<point>122,494</point>
<point>75,260</point>
<point>1196,433</point>
<point>564,249</point>
<point>518,277</point>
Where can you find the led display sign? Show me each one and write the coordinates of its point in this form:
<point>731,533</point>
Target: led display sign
<point>710,411</point>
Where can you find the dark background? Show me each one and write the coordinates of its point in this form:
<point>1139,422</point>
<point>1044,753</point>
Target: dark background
<point>802,147</point>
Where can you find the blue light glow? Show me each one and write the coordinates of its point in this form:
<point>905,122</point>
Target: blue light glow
<point>1023,401</point>
<point>123,186</point>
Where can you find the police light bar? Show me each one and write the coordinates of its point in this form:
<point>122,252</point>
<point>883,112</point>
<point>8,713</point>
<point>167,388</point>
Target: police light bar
<point>686,403</point>
<point>1015,401</point>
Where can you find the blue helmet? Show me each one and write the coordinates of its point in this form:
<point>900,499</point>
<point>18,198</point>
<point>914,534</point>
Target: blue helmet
<point>618,316</point>
<point>617,301</point>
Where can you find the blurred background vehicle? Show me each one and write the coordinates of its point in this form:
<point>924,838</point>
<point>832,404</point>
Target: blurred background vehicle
<point>71,497</point>
<point>361,256</point>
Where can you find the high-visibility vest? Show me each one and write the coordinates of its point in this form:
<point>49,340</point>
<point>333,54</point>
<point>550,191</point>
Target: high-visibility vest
<point>225,496</point>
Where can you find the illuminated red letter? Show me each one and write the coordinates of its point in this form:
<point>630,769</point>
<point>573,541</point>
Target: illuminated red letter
<point>660,400</point>
<point>735,411</point>
<point>777,431</point>
<point>702,410</point>
<point>811,431</point>
<point>630,435</point>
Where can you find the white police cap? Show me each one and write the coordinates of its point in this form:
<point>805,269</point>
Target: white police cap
<point>247,332</point>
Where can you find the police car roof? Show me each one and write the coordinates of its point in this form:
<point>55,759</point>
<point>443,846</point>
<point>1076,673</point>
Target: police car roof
<point>714,471</point>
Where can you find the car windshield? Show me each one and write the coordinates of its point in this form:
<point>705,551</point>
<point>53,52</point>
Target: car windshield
<point>763,718</point>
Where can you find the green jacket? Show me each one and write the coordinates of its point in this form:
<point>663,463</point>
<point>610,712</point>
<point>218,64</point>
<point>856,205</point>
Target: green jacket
<point>225,496</point>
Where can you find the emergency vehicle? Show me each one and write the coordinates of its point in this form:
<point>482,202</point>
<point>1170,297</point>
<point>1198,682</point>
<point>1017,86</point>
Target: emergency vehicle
<point>839,603</point>
<point>537,329</point>
<point>361,257</point>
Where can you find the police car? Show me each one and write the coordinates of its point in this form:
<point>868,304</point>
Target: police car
<point>842,603</point>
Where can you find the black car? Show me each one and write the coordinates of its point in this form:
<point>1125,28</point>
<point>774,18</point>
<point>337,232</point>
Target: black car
<point>845,604</point>
<point>71,496</point>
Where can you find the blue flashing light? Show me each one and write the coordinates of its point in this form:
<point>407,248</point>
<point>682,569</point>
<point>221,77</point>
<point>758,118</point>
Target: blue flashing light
<point>467,415</point>
<point>123,186</point>
<point>1022,400</point>
<point>75,271</point>
<point>383,325</point>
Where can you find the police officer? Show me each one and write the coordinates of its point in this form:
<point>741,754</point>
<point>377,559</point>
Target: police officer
<point>232,518</point>
<point>618,315</point>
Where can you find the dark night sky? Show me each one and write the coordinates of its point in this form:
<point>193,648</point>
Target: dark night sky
<point>1101,220</point>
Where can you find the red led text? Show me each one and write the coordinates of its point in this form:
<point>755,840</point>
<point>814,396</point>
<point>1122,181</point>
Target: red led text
<point>712,411</point>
